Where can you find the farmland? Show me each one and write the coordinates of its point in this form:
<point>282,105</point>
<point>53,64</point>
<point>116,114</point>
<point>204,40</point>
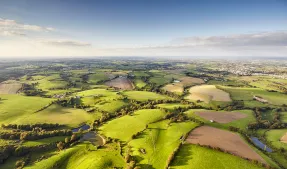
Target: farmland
<point>121,113</point>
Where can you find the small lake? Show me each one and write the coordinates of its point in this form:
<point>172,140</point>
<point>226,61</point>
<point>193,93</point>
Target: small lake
<point>83,127</point>
<point>261,145</point>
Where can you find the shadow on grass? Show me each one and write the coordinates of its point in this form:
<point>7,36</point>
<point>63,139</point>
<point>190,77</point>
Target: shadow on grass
<point>182,157</point>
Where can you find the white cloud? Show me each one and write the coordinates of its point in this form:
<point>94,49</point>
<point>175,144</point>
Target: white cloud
<point>13,28</point>
<point>278,38</point>
<point>65,43</point>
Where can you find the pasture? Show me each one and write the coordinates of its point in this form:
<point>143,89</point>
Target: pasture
<point>277,137</point>
<point>14,108</point>
<point>144,96</point>
<point>56,114</point>
<point>207,93</point>
<point>246,94</point>
<point>84,156</point>
<point>125,127</point>
<point>197,157</point>
<point>225,140</point>
<point>159,140</point>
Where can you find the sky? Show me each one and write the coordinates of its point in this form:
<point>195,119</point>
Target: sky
<point>155,28</point>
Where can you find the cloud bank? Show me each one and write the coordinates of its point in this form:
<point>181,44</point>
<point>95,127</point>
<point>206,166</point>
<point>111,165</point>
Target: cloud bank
<point>65,43</point>
<point>13,28</point>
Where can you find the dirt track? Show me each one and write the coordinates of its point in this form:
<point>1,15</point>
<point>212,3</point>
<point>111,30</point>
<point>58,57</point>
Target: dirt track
<point>121,83</point>
<point>225,140</point>
<point>221,117</point>
<point>284,138</point>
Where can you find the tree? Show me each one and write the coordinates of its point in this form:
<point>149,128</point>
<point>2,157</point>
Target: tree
<point>60,145</point>
<point>67,140</point>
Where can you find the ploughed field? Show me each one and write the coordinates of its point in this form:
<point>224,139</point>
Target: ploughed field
<point>221,117</point>
<point>10,87</point>
<point>121,83</point>
<point>225,140</point>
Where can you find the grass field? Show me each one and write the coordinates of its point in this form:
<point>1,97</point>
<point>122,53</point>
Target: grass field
<point>274,136</point>
<point>56,114</point>
<point>98,77</point>
<point>207,93</point>
<point>110,106</point>
<point>124,127</point>
<point>283,117</point>
<point>159,141</point>
<point>139,83</point>
<point>44,141</point>
<point>13,108</point>
<point>144,96</point>
<point>171,105</point>
<point>196,157</point>
<point>84,156</point>
<point>246,94</point>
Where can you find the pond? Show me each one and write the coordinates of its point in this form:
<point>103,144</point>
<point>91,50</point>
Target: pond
<point>261,145</point>
<point>83,127</point>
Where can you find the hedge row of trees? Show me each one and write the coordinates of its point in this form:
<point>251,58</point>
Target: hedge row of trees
<point>30,127</point>
<point>33,135</point>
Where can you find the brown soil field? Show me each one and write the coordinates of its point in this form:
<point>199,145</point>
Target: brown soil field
<point>174,88</point>
<point>121,83</point>
<point>221,117</point>
<point>190,80</point>
<point>10,88</point>
<point>207,93</point>
<point>284,138</point>
<point>225,140</point>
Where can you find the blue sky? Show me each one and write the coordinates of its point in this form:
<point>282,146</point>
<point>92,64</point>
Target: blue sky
<point>143,27</point>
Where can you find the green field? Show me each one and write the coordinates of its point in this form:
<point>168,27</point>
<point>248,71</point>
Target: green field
<point>56,114</point>
<point>196,157</point>
<point>144,96</point>
<point>172,106</point>
<point>274,137</point>
<point>124,127</point>
<point>14,108</point>
<point>84,156</point>
<point>139,83</point>
<point>283,117</point>
<point>98,77</point>
<point>44,141</point>
<point>159,140</point>
<point>246,94</point>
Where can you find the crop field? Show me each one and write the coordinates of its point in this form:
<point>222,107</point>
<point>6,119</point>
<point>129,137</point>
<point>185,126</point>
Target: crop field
<point>10,87</point>
<point>124,127</point>
<point>144,96</point>
<point>225,140</point>
<point>57,114</point>
<point>120,83</point>
<point>159,140</point>
<point>197,157</point>
<point>208,93</point>
<point>174,88</point>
